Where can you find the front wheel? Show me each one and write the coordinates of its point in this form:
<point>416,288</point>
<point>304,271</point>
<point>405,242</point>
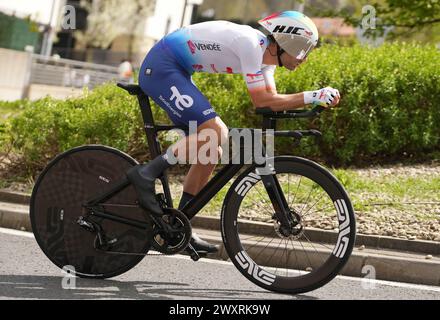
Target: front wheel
<point>307,258</point>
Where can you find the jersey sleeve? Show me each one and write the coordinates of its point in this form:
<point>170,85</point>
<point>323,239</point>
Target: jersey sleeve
<point>269,78</point>
<point>251,57</point>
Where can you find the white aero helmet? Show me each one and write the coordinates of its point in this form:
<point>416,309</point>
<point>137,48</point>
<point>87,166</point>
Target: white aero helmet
<point>294,32</point>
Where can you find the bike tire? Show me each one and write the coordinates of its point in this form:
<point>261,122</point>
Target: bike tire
<point>258,268</point>
<point>56,204</point>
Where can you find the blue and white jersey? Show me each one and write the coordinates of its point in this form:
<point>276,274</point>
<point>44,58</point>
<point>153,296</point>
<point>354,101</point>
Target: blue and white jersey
<point>223,47</point>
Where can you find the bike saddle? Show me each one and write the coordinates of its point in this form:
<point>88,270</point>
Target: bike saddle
<point>132,89</point>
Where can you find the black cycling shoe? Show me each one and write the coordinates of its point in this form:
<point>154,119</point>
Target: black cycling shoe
<point>201,246</point>
<point>145,188</point>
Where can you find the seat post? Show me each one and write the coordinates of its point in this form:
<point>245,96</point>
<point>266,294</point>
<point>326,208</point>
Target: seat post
<point>149,125</point>
<point>153,142</point>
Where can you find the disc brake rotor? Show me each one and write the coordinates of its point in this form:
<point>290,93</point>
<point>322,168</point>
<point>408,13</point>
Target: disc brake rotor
<point>296,230</point>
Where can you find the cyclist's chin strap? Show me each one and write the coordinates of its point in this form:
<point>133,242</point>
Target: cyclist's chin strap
<point>280,51</point>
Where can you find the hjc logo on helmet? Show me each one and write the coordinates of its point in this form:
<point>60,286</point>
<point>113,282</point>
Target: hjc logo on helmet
<point>290,30</point>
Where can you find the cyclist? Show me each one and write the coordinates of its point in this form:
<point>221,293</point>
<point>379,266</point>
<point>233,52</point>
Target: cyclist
<point>220,47</point>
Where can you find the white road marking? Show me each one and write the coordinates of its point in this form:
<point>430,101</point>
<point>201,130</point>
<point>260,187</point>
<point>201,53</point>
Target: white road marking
<point>393,284</point>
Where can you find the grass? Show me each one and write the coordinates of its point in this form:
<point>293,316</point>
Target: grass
<point>398,201</point>
<point>394,190</point>
<point>382,198</point>
<point>391,190</point>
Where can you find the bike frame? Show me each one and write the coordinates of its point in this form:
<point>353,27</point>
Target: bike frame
<point>227,173</point>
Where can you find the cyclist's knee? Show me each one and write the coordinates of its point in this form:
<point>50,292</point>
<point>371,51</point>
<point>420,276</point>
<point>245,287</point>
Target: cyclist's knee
<point>219,128</point>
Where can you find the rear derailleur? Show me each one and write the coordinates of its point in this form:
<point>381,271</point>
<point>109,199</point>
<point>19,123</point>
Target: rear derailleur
<point>102,242</point>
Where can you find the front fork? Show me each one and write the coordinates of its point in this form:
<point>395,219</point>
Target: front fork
<point>277,198</point>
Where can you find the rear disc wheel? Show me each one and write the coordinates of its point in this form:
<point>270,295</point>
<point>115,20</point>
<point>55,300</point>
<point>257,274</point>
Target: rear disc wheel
<point>57,204</point>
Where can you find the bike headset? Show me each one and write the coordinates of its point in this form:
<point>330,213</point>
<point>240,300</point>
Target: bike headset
<point>293,32</point>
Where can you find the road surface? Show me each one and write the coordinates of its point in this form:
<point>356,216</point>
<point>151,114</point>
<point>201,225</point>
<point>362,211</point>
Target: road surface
<point>26,273</point>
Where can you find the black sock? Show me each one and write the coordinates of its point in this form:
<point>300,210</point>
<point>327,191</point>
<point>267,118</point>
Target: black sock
<point>186,197</point>
<point>156,167</point>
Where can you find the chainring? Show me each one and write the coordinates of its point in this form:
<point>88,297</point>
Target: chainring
<point>177,238</point>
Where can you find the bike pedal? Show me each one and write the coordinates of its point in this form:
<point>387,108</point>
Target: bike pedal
<point>202,254</point>
<point>195,256</point>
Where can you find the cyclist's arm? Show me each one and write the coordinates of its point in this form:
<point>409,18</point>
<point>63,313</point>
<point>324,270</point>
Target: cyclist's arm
<point>261,97</point>
<point>271,98</point>
<point>260,81</point>
<point>327,97</point>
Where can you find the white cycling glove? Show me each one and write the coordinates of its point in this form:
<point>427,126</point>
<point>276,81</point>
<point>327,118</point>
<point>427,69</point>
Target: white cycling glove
<point>323,97</point>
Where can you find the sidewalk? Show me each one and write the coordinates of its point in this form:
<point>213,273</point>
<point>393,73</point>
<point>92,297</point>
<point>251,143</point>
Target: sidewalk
<point>393,259</point>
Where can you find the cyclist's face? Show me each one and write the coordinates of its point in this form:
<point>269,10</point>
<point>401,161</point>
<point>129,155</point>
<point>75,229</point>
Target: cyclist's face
<point>290,62</point>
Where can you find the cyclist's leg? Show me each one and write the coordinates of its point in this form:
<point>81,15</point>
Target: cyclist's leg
<point>156,69</point>
<point>216,132</point>
<point>200,173</point>
<point>172,89</point>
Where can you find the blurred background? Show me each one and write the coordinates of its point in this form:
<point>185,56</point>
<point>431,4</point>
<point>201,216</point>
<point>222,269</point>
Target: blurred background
<point>89,39</point>
<point>59,60</point>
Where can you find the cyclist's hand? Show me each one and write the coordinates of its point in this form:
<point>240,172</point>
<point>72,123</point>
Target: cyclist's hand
<point>327,97</point>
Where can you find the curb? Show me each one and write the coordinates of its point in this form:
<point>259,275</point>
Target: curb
<point>14,197</point>
<point>371,264</point>
<point>15,216</point>
<point>315,235</point>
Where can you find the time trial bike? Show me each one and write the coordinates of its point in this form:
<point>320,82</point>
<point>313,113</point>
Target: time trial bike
<point>85,213</point>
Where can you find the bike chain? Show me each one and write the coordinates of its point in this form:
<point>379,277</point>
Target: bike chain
<point>186,224</point>
<point>134,254</point>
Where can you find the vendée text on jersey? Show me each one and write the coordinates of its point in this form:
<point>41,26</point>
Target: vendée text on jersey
<point>207,47</point>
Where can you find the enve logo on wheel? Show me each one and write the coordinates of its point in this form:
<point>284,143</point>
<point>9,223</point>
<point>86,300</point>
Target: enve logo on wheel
<point>246,184</point>
<point>260,275</point>
<point>344,229</point>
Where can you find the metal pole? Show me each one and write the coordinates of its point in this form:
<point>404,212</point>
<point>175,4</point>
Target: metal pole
<point>184,13</point>
<point>46,49</point>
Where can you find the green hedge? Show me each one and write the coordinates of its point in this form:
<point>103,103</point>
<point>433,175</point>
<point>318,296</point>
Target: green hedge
<point>47,127</point>
<point>390,106</point>
<point>389,109</point>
